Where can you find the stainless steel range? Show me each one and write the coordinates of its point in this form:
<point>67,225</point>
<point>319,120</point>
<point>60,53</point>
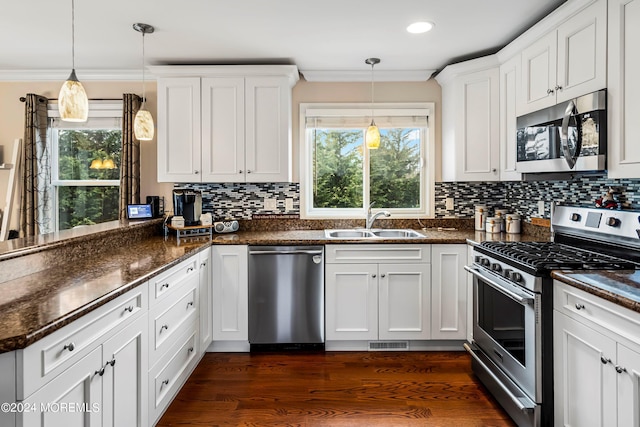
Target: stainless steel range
<point>512,344</point>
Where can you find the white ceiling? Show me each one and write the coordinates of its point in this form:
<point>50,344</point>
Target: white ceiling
<point>321,35</point>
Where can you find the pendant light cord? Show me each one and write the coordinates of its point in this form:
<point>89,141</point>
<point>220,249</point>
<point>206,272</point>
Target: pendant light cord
<point>144,98</point>
<point>73,38</point>
<point>372,90</point>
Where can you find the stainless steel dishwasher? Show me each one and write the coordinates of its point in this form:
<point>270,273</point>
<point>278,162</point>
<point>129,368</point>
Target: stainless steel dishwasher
<point>286,297</point>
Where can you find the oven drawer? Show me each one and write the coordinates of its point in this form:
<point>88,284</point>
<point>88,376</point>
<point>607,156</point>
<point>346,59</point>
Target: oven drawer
<point>581,305</point>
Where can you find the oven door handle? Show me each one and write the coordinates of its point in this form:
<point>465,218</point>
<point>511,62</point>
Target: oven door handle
<point>520,298</point>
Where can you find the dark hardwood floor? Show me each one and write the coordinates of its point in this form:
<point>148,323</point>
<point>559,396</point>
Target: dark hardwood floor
<point>334,389</point>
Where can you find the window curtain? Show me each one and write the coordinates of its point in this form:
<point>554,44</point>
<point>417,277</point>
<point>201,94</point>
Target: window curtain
<point>35,204</point>
<point>130,161</point>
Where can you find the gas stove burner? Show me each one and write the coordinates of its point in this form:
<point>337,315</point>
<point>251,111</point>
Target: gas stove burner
<point>547,256</point>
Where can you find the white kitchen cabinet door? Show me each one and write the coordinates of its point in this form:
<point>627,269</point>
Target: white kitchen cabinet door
<point>179,140</point>
<point>448,292</point>
<point>539,74</point>
<point>623,89</point>
<point>206,301</point>
<point>230,292</point>
<point>403,305</point>
<point>582,53</point>
<point>223,129</point>
<point>584,378</point>
<point>509,98</point>
<point>268,129</point>
<point>628,369</point>
<point>80,385</point>
<point>351,293</point>
<point>125,392</point>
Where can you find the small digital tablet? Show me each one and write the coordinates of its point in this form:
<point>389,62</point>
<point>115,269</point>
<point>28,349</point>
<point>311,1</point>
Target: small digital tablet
<point>139,212</point>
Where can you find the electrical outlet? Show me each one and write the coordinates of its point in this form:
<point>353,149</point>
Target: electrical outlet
<point>270,204</point>
<point>541,207</point>
<point>448,203</point>
<point>288,204</point>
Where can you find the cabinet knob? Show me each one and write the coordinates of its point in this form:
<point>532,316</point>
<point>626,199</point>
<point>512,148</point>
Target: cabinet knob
<point>383,275</point>
<point>558,88</point>
<point>579,306</point>
<point>112,361</point>
<point>196,172</point>
<point>129,309</point>
<point>163,327</point>
<point>190,350</point>
<point>165,382</point>
<point>100,372</point>
<point>190,304</point>
<point>248,171</point>
<point>71,346</point>
<point>604,360</point>
<point>240,171</point>
<point>550,91</point>
<point>164,285</point>
<point>203,264</point>
<point>620,369</point>
<point>374,276</point>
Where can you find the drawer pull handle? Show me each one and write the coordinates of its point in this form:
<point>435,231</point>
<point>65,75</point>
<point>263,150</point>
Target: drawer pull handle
<point>620,369</point>
<point>190,350</point>
<point>164,285</point>
<point>190,304</point>
<point>204,264</point>
<point>71,346</point>
<point>189,270</point>
<point>165,382</point>
<point>604,360</point>
<point>100,372</point>
<point>164,327</point>
<point>129,309</point>
<point>579,306</point>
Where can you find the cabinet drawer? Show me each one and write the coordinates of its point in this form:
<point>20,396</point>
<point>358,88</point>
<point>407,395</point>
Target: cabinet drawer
<point>172,317</point>
<point>581,305</point>
<point>409,253</point>
<point>166,378</point>
<point>46,358</point>
<point>165,283</point>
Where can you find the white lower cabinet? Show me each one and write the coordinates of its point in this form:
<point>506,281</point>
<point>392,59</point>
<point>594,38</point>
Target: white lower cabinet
<point>230,287</point>
<point>377,292</point>
<point>448,292</point>
<point>596,361</point>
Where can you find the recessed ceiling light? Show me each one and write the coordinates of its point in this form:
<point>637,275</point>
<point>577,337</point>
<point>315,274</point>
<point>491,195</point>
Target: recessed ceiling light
<point>420,27</point>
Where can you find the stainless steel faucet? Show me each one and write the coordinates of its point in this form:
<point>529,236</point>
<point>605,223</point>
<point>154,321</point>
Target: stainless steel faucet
<point>371,218</point>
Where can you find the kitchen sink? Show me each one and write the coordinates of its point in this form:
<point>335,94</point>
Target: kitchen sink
<point>373,234</point>
<point>397,234</point>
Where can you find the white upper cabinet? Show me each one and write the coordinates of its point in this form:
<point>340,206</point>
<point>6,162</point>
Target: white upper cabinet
<point>567,62</point>
<point>509,98</point>
<point>224,123</point>
<point>470,120</point>
<point>624,88</point>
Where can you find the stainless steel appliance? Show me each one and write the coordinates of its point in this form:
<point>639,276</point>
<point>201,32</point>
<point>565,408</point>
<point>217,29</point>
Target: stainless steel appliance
<point>512,346</point>
<point>188,204</point>
<point>567,137</point>
<point>286,297</point>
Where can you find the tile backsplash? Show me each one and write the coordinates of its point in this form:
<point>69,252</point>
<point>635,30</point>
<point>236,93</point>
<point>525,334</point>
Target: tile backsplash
<point>242,201</point>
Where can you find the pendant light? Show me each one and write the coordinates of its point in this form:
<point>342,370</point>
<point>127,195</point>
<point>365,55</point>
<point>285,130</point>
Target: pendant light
<point>372,137</point>
<point>143,127</point>
<point>73,103</point>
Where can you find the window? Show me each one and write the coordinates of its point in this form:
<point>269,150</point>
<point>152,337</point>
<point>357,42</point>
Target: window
<point>341,178</point>
<point>85,167</point>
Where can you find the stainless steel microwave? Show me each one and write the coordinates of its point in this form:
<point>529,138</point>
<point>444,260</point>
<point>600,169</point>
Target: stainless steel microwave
<point>568,137</point>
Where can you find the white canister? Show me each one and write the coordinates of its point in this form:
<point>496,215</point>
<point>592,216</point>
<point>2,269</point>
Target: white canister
<point>500,213</point>
<point>493,224</point>
<point>512,223</point>
<point>481,214</point>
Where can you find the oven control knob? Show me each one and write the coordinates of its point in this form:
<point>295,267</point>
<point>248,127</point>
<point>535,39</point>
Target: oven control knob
<point>496,267</point>
<point>507,273</point>
<point>613,222</point>
<point>575,217</point>
<point>516,277</point>
<point>485,262</point>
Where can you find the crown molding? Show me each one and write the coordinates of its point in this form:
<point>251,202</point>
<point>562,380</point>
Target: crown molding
<point>470,66</point>
<point>83,75</point>
<point>290,71</point>
<point>365,75</point>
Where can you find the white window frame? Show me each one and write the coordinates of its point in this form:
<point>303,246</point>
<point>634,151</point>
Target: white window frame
<point>427,187</point>
<point>106,109</point>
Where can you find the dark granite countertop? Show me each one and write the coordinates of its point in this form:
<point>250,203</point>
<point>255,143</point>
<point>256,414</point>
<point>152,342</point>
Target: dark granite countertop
<point>62,290</point>
<point>619,287</point>
<point>38,304</point>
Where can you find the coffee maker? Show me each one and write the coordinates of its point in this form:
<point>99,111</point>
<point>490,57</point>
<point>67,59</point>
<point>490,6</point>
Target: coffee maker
<point>188,204</point>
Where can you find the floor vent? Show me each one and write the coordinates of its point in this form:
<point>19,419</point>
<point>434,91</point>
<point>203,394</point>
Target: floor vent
<point>388,345</point>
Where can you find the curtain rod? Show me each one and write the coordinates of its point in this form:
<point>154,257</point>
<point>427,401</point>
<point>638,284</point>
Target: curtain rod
<point>23,99</point>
